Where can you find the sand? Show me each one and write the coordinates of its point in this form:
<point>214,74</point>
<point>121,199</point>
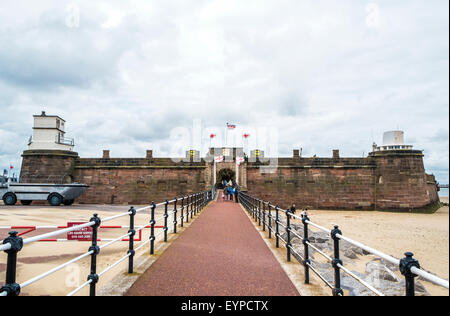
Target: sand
<point>427,236</point>
<point>39,257</point>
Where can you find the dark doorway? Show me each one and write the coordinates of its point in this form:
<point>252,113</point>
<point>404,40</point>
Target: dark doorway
<point>225,174</point>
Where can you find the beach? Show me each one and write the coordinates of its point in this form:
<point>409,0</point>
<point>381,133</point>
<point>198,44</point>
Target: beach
<point>426,235</point>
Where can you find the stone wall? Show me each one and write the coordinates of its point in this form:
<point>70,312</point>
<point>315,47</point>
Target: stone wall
<point>383,180</point>
<point>401,181</point>
<point>324,183</point>
<point>48,166</point>
<point>137,181</point>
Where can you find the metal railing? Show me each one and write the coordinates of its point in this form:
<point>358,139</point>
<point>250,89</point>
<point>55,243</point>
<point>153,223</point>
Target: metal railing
<point>64,140</point>
<point>187,207</point>
<point>269,216</point>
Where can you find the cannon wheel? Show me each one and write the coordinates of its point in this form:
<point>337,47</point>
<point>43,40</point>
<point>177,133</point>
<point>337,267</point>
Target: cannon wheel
<point>10,198</point>
<point>55,199</point>
<point>68,202</point>
<point>26,202</point>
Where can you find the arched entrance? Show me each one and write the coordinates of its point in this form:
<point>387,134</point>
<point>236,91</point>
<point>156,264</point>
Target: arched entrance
<point>225,174</point>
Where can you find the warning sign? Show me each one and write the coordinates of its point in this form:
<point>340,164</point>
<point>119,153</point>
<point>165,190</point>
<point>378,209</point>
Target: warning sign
<point>82,234</point>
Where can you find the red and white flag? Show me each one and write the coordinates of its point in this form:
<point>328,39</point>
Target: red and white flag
<point>231,126</point>
<point>218,159</point>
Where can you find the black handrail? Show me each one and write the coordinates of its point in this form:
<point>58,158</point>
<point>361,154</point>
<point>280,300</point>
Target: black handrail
<point>409,266</point>
<point>14,244</point>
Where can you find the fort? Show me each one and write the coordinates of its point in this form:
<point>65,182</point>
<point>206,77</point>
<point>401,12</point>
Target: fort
<point>391,177</point>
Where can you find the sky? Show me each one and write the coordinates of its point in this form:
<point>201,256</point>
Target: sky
<point>144,74</point>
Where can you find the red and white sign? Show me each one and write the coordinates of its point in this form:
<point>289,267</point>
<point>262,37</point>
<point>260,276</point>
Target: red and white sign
<point>82,234</point>
<point>231,126</point>
<point>240,160</point>
<point>218,159</point>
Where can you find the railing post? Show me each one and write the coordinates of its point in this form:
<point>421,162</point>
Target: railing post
<point>259,213</point>
<point>288,232</point>
<point>192,206</point>
<point>166,217</point>
<point>406,264</point>
<point>337,291</point>
<point>182,212</point>
<point>306,263</point>
<point>95,251</point>
<point>187,209</point>
<point>264,216</point>
<point>132,233</point>
<point>16,242</point>
<point>175,211</point>
<point>152,229</point>
<point>277,229</point>
<point>270,220</point>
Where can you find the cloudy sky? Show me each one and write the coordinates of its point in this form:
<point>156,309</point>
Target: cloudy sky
<point>134,75</point>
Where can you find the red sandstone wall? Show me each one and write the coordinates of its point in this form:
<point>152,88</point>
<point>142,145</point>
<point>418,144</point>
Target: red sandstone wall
<point>138,186</point>
<point>47,166</point>
<point>324,188</point>
<point>402,182</point>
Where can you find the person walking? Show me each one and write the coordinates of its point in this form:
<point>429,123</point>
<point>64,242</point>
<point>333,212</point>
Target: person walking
<point>231,193</point>
<point>293,209</point>
<point>226,191</point>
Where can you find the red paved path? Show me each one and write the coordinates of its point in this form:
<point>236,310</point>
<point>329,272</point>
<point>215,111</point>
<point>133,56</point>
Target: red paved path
<point>221,253</point>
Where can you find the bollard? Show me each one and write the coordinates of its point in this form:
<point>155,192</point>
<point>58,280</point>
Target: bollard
<point>406,264</point>
<point>264,216</point>
<point>305,220</point>
<point>95,251</point>
<point>132,233</point>
<point>152,229</point>
<point>175,211</point>
<point>270,221</point>
<point>336,261</point>
<point>16,242</point>
<point>277,229</point>
<point>182,212</point>
<point>288,232</point>
<point>166,217</point>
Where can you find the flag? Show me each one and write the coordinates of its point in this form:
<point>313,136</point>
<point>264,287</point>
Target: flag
<point>246,135</point>
<point>231,126</point>
<point>212,136</point>
<point>218,159</point>
<point>11,167</point>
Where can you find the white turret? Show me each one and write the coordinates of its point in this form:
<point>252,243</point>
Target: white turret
<point>393,140</point>
<point>49,134</point>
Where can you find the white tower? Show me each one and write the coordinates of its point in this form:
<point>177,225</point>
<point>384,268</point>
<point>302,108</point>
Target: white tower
<point>49,134</point>
<point>393,140</point>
